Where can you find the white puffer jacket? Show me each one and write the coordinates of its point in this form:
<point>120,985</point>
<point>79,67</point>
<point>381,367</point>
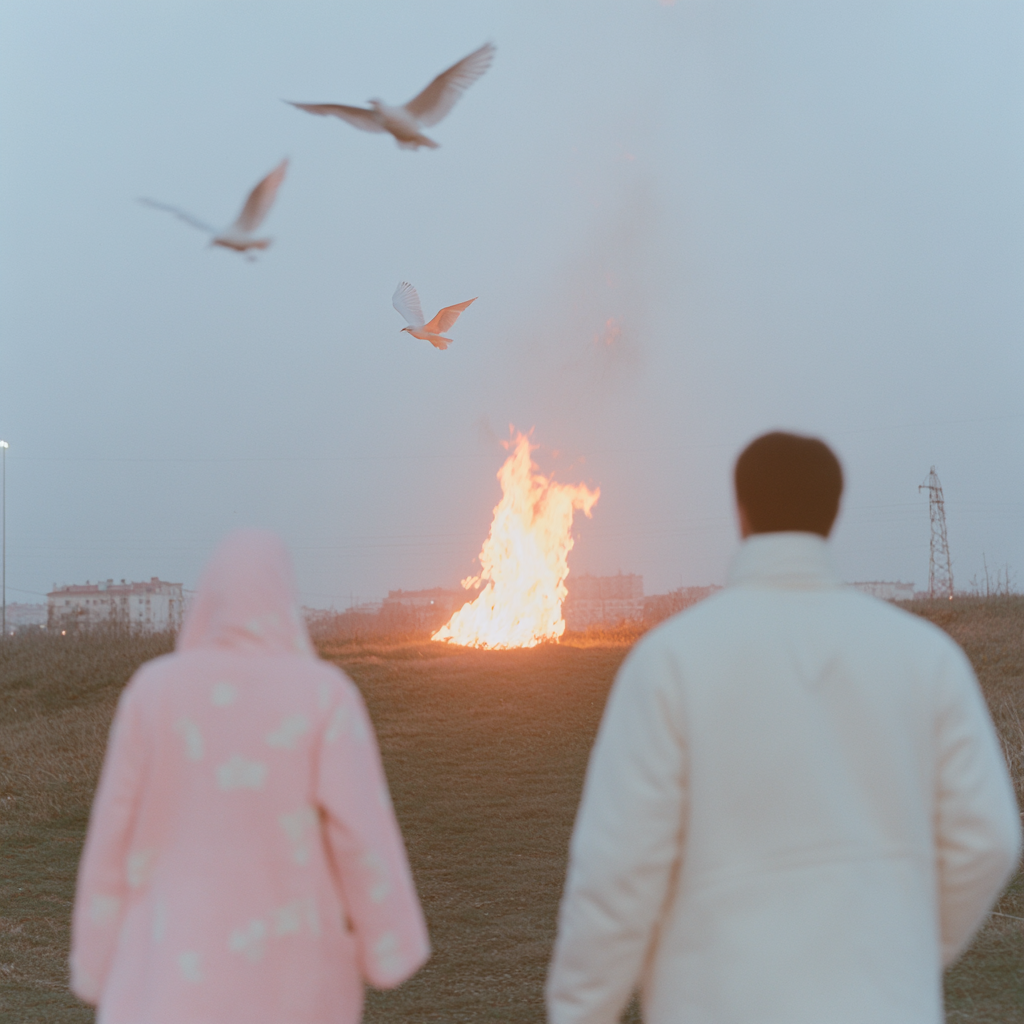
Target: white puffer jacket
<point>796,812</point>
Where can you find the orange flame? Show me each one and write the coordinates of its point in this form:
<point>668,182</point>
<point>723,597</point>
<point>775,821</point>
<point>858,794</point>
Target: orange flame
<point>523,563</point>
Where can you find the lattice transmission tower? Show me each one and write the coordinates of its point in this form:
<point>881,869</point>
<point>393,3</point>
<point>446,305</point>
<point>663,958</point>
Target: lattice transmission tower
<point>940,567</point>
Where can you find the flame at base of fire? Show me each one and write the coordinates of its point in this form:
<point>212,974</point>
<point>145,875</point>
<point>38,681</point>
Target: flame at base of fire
<point>524,561</point>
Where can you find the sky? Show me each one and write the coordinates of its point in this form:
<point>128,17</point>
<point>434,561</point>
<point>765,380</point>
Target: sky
<point>687,223</point>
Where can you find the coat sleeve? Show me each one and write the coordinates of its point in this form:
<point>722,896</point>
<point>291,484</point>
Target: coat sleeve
<point>102,890</point>
<point>977,823</point>
<point>366,846</point>
<point>625,847</point>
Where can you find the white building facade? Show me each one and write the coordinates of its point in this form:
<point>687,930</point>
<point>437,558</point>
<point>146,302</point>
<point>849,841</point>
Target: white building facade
<point>24,616</point>
<point>887,591</point>
<point>603,600</point>
<point>151,607</point>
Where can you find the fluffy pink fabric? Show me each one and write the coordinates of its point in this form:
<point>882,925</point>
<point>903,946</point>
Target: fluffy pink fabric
<point>243,863</point>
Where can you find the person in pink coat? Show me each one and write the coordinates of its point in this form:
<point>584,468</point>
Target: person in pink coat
<point>243,863</point>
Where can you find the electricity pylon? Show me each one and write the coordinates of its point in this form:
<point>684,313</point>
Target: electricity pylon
<point>940,567</point>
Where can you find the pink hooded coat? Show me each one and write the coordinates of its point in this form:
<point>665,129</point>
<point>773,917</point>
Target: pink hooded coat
<point>243,862</point>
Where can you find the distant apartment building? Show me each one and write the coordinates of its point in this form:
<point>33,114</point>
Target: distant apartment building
<point>887,591</point>
<point>150,607</point>
<point>603,600</point>
<point>24,616</point>
<point>422,609</point>
<point>661,606</point>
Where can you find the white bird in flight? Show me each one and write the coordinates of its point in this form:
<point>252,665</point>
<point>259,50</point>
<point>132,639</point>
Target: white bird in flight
<point>239,236</point>
<point>407,302</point>
<point>424,110</point>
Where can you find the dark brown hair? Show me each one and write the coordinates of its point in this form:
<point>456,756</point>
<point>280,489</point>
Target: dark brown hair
<point>788,482</point>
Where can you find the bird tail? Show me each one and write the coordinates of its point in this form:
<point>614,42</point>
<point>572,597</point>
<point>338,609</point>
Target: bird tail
<point>420,140</point>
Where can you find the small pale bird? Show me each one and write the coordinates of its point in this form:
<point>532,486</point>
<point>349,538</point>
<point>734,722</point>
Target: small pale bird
<point>407,302</point>
<point>424,110</point>
<point>239,236</point>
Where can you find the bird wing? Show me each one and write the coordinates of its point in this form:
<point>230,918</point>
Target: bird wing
<point>439,97</point>
<point>261,199</point>
<point>180,214</point>
<point>447,317</point>
<point>360,117</point>
<point>407,302</point>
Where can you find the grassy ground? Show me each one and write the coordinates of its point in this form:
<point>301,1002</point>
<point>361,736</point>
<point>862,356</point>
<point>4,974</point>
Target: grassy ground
<point>57,695</point>
<point>485,753</point>
<point>987,984</point>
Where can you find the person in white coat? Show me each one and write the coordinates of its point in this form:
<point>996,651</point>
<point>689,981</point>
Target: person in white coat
<point>796,810</point>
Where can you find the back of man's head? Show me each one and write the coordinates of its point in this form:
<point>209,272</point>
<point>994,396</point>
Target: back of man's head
<point>788,482</point>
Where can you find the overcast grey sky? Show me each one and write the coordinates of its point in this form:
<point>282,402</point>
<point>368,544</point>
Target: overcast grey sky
<point>799,215</point>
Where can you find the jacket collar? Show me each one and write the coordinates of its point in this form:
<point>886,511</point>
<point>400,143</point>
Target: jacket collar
<point>784,561</point>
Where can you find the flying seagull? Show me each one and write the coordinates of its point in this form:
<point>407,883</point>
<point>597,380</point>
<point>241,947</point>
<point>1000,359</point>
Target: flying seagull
<point>407,302</point>
<point>239,236</point>
<point>424,110</point>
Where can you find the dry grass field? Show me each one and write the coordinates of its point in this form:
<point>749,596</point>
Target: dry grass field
<point>485,753</point>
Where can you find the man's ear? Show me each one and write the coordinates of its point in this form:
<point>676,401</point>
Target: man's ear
<point>745,527</point>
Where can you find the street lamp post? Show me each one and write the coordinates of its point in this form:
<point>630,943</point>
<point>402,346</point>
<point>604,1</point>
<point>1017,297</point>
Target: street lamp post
<point>3,559</point>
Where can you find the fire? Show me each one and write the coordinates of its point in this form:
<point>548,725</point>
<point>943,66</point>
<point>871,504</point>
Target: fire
<point>524,561</point>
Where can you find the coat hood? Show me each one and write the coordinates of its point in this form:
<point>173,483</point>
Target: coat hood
<point>246,600</point>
